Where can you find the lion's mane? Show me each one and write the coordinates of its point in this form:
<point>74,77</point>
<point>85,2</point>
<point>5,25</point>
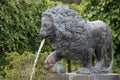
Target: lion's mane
<point>65,20</point>
<point>69,26</point>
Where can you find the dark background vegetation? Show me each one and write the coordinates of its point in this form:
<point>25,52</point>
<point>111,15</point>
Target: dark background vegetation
<point>20,22</point>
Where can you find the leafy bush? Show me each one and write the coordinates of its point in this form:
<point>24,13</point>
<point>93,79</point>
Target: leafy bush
<point>20,66</point>
<point>20,24</point>
<point>69,1</point>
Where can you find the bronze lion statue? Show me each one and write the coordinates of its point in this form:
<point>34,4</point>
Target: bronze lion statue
<point>75,38</point>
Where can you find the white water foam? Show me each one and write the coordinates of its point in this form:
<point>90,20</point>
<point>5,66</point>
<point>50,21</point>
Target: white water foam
<point>36,59</point>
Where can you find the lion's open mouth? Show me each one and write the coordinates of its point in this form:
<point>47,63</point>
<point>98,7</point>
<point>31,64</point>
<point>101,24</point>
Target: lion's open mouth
<point>49,37</point>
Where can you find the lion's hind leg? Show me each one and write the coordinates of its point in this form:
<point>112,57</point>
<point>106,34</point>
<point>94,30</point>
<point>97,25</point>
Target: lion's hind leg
<point>101,59</point>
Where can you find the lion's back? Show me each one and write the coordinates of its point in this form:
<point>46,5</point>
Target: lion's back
<point>88,36</point>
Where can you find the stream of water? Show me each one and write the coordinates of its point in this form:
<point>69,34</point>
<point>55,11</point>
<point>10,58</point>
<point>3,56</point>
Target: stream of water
<point>36,59</point>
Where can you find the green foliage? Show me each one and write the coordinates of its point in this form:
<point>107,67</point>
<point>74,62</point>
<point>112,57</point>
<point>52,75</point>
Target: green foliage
<point>109,12</point>
<point>20,22</point>
<point>75,7</point>
<point>20,66</point>
<point>20,25</point>
<point>69,1</point>
<point>65,1</point>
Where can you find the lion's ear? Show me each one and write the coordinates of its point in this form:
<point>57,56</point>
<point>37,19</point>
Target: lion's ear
<point>48,16</point>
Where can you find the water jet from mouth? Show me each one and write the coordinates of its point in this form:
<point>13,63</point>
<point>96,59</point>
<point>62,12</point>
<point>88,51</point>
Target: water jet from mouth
<point>36,59</point>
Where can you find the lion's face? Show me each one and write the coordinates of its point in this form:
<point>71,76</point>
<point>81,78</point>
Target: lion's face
<point>47,28</point>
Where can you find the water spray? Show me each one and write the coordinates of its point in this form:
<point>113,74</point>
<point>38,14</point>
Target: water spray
<point>36,59</point>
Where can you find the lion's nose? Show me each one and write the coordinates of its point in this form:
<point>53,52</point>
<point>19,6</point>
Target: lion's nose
<point>43,34</point>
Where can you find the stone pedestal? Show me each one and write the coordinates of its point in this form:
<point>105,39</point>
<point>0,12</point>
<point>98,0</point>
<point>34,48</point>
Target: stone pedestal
<point>74,76</point>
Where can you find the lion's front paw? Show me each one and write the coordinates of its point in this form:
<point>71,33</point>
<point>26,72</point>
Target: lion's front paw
<point>56,68</point>
<point>50,61</point>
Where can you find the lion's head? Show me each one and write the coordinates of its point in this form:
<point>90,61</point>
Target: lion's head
<point>47,28</point>
<point>59,22</point>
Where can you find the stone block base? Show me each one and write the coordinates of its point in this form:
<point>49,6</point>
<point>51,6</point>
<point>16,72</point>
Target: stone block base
<point>74,76</point>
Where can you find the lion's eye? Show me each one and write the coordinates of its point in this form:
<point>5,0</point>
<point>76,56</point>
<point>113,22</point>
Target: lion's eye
<point>45,25</point>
